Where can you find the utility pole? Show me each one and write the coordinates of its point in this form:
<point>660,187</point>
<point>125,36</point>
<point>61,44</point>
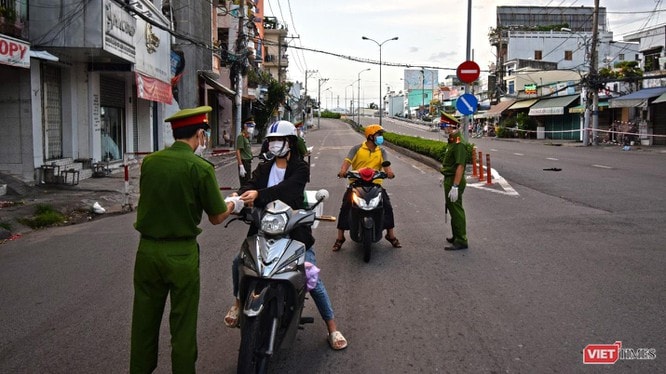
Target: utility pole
<point>241,45</point>
<point>321,81</point>
<point>593,77</point>
<point>305,97</point>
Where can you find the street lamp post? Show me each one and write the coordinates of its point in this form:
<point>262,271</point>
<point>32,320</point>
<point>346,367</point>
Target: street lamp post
<point>352,87</point>
<point>320,82</point>
<point>380,71</point>
<point>358,98</point>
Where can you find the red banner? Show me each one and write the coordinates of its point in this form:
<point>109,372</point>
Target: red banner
<point>153,89</point>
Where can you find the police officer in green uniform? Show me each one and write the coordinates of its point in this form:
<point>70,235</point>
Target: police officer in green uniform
<point>453,168</point>
<point>176,188</point>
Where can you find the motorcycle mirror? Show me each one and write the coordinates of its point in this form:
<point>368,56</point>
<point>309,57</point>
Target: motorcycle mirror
<point>321,195</point>
<point>386,163</point>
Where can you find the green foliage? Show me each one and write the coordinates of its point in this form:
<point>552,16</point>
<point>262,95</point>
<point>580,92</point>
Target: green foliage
<point>275,96</point>
<point>431,148</point>
<point>329,114</point>
<point>45,215</point>
<point>527,124</point>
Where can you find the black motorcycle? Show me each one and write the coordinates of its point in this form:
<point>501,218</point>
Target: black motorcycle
<point>366,216</point>
<point>272,282</point>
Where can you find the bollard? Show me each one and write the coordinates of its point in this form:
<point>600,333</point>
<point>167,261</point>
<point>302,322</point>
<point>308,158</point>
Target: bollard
<point>480,166</point>
<point>489,177</point>
<point>474,162</point>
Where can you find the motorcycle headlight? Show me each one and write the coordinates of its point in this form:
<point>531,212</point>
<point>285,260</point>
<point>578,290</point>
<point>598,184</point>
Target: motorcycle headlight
<point>274,224</point>
<point>361,203</point>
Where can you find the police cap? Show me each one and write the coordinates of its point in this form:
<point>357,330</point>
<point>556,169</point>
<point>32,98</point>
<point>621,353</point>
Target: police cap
<point>189,117</point>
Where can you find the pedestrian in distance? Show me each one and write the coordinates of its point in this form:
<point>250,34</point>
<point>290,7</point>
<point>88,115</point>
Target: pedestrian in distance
<point>244,154</point>
<point>453,169</point>
<point>177,187</point>
<point>283,177</point>
<point>367,154</point>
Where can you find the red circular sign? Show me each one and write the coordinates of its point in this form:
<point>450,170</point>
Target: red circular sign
<point>468,71</point>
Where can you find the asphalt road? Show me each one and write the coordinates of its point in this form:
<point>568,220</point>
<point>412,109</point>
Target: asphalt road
<point>557,261</point>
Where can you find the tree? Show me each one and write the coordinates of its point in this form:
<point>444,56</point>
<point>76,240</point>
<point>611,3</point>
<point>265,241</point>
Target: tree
<point>276,96</point>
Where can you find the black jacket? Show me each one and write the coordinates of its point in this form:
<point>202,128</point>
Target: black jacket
<point>290,191</point>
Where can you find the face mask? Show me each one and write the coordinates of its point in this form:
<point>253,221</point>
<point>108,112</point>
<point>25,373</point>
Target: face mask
<point>379,140</point>
<point>278,148</point>
<point>201,147</point>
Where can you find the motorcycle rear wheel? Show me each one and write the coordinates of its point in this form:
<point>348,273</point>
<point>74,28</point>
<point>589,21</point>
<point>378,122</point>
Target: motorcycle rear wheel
<point>250,360</point>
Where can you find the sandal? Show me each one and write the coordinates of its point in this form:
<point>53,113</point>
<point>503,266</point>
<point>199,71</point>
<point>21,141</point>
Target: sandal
<point>394,242</point>
<point>231,319</point>
<point>337,341</point>
<point>338,244</point>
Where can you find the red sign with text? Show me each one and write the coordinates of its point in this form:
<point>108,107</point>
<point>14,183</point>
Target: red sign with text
<point>602,353</point>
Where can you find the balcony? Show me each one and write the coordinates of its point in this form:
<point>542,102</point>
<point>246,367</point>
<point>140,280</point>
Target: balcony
<point>12,22</point>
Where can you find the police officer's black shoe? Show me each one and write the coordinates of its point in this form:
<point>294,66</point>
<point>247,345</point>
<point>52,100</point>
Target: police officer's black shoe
<point>450,240</point>
<point>455,247</point>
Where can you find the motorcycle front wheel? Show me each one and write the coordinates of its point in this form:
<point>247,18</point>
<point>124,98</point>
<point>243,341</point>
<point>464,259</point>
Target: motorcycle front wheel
<point>250,357</point>
<point>368,235</point>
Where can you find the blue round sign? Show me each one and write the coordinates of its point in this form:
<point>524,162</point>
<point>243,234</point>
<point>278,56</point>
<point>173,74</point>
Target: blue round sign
<point>467,104</point>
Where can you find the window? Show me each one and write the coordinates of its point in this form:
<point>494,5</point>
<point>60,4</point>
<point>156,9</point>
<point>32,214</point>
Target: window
<point>621,56</point>
<point>512,88</point>
<point>568,55</point>
<point>538,55</point>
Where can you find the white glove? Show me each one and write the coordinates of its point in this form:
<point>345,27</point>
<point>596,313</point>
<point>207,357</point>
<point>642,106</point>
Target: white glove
<point>238,203</point>
<point>453,194</point>
<point>242,171</point>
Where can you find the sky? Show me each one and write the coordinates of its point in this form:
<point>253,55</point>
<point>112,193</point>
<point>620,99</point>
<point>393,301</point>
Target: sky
<point>325,36</point>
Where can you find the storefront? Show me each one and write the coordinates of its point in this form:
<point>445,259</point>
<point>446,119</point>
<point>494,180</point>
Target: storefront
<point>553,115</point>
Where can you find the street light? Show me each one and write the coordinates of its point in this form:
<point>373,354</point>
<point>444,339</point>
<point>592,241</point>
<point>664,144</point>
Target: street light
<point>352,100</point>
<point>380,71</point>
<point>358,99</point>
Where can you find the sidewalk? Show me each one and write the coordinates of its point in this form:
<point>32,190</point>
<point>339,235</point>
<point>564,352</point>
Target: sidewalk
<point>76,201</point>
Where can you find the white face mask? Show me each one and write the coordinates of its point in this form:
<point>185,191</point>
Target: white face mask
<point>201,147</point>
<point>278,147</point>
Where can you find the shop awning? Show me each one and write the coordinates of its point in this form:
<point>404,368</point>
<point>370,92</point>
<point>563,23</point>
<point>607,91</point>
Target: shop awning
<point>581,108</point>
<point>218,86</point>
<point>497,109</point>
<point>638,98</point>
<point>552,107</point>
<point>523,104</point>
<point>660,99</point>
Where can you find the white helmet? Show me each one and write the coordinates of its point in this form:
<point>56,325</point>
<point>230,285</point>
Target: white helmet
<point>281,128</point>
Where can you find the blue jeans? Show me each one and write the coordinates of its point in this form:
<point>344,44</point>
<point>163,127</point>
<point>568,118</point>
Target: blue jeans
<point>319,294</point>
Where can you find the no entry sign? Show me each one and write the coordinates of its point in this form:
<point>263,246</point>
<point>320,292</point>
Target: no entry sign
<point>468,71</point>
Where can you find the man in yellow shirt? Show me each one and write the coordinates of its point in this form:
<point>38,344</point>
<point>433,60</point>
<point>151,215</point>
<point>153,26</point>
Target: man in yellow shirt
<point>367,154</point>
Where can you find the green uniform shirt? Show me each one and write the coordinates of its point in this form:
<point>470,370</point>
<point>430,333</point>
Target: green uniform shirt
<point>176,187</point>
<point>243,144</point>
<point>456,154</point>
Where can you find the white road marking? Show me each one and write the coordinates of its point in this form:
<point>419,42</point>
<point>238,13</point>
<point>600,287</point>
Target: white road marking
<point>519,154</point>
<point>552,158</point>
<point>602,166</point>
<point>496,178</point>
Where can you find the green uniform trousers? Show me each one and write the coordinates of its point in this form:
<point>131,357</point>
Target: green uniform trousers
<point>458,222</point>
<point>165,268</point>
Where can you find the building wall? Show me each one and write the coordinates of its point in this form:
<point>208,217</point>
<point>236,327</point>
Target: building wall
<point>15,127</point>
